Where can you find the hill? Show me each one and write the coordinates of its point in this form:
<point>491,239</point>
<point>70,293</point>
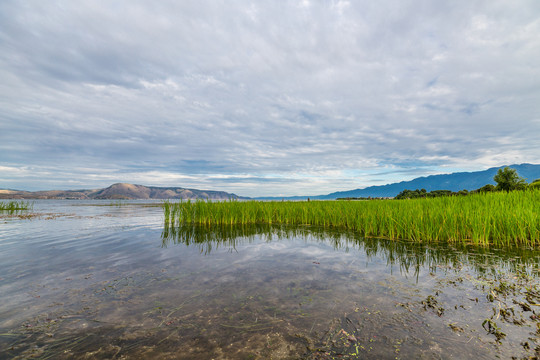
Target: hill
<point>122,191</point>
<point>454,182</point>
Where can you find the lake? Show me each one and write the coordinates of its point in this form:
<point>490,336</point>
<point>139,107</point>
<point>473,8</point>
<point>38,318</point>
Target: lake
<point>102,280</point>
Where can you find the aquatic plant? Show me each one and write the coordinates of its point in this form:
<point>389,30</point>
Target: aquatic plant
<point>14,206</point>
<point>484,218</point>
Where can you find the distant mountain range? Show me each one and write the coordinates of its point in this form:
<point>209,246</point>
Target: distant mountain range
<point>121,191</point>
<point>454,182</point>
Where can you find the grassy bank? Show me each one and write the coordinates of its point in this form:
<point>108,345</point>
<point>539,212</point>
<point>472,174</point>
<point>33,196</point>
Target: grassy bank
<point>501,218</point>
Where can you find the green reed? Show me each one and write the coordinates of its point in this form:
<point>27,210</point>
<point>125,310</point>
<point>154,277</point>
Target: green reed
<point>14,206</point>
<point>491,218</point>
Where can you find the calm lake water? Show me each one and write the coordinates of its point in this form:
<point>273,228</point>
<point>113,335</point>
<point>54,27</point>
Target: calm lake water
<point>84,279</point>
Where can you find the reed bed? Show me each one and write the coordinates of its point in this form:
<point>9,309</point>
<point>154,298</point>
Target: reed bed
<point>13,206</point>
<point>493,218</point>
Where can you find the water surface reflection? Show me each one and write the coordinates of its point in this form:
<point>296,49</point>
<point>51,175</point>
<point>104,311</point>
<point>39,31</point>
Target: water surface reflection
<point>409,257</point>
<point>114,287</point>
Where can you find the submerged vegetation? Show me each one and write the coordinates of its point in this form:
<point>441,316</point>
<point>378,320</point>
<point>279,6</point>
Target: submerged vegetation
<point>502,300</point>
<point>502,218</point>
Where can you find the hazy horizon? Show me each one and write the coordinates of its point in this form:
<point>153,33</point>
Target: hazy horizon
<point>243,195</point>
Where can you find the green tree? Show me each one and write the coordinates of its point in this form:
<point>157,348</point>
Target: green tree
<point>507,179</point>
<point>486,188</point>
<point>535,184</point>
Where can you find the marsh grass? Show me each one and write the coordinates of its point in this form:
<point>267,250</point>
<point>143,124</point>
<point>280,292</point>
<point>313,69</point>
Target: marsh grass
<point>493,218</point>
<point>15,206</point>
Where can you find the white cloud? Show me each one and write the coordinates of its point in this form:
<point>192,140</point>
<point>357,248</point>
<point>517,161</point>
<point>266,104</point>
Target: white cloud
<point>197,92</point>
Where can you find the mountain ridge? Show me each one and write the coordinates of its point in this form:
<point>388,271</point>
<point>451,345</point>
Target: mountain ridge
<point>122,191</point>
<point>454,181</point>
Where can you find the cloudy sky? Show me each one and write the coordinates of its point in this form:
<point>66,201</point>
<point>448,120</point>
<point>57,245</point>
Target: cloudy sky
<point>264,97</point>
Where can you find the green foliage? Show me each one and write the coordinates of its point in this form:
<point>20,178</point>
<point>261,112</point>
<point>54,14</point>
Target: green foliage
<point>535,184</point>
<point>507,179</point>
<point>411,194</point>
<point>414,194</point>
<point>486,188</point>
<point>481,218</point>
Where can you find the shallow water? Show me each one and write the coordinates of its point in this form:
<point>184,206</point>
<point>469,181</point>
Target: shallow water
<point>87,280</point>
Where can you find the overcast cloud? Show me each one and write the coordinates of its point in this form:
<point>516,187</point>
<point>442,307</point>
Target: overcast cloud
<point>264,97</point>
